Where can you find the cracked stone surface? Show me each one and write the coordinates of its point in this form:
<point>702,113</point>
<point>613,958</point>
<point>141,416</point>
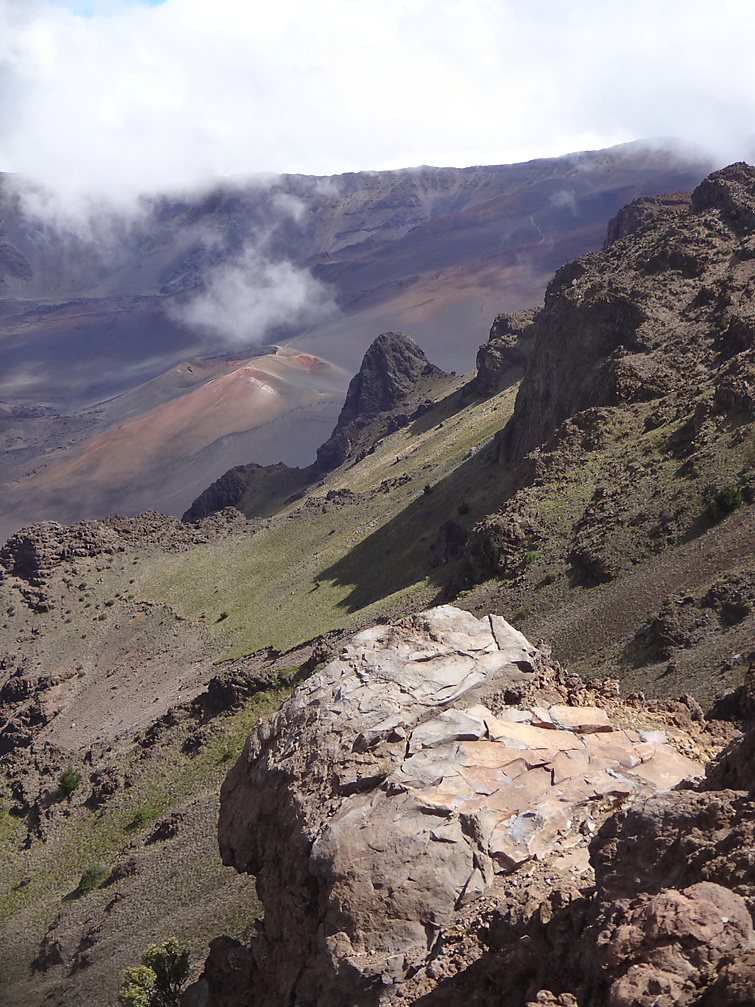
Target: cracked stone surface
<point>396,785</point>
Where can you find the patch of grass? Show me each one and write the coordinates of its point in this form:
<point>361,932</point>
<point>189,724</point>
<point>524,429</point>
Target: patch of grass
<point>372,560</point>
<point>521,613</point>
<point>531,556</point>
<point>91,878</point>
<point>144,814</point>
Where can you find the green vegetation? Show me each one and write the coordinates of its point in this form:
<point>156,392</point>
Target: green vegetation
<point>531,556</point>
<point>521,613</point>
<point>160,978</point>
<point>370,551</point>
<point>137,986</point>
<point>68,781</point>
<point>141,817</point>
<point>727,499</point>
<point>91,878</point>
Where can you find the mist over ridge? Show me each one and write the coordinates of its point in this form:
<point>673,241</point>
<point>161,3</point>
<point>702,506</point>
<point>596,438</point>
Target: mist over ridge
<point>109,316</point>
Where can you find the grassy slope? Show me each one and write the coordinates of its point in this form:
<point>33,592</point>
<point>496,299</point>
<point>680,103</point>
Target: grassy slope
<point>319,564</point>
<point>352,548</point>
<point>665,543</point>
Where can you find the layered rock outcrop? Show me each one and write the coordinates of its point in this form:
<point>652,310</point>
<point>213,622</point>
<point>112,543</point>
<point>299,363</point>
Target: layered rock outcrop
<point>509,346</point>
<point>410,783</point>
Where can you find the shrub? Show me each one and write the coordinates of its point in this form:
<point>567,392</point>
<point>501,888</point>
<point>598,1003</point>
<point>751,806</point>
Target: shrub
<point>463,508</point>
<point>531,556</point>
<point>137,987</point>
<point>68,781</point>
<point>521,613</point>
<point>92,878</point>
<point>728,499</point>
<point>160,978</point>
<point>143,814</point>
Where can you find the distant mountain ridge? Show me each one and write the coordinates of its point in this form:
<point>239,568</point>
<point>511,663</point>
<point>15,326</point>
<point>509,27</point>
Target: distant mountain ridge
<point>96,325</point>
<point>593,484</point>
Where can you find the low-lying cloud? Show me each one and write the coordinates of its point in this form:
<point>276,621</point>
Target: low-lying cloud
<point>138,98</point>
<point>246,299</point>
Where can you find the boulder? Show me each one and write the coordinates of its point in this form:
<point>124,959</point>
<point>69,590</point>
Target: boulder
<point>399,785</point>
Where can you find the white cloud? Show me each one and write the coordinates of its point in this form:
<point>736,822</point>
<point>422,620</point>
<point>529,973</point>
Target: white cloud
<point>243,301</point>
<point>136,98</point>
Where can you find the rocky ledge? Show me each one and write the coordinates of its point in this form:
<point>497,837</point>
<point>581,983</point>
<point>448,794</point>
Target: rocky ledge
<point>438,768</point>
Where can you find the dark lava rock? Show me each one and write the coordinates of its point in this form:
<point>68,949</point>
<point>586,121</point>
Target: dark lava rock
<point>390,369</point>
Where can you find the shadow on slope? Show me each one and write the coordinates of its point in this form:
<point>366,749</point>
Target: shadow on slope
<point>410,547</point>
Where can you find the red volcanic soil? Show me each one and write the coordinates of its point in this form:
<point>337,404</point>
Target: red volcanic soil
<point>102,417</point>
<point>156,447</point>
<point>224,405</point>
<point>252,394</point>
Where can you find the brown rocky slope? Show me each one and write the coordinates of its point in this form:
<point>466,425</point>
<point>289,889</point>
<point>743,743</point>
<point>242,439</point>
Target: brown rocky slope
<point>627,467</point>
<point>115,626</point>
<point>443,816</point>
<point>626,534</point>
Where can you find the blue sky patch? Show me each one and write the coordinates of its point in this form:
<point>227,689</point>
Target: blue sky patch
<point>88,8</point>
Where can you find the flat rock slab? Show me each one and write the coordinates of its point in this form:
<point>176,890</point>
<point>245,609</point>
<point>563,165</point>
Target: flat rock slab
<point>393,787</point>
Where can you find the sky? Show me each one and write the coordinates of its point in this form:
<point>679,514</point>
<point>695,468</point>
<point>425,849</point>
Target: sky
<point>113,98</point>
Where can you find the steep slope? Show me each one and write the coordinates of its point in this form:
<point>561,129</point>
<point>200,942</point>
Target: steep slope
<point>139,652</point>
<point>389,372</point>
<point>392,382</point>
<point>418,816</point>
<point>629,462</point>
<point>96,316</point>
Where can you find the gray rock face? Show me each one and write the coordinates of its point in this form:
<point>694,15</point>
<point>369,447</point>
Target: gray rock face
<point>645,211</point>
<point>509,345</point>
<point>391,368</point>
<point>393,789</point>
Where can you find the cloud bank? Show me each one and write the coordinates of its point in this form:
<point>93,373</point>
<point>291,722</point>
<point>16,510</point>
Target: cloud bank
<point>114,98</point>
<point>246,299</point>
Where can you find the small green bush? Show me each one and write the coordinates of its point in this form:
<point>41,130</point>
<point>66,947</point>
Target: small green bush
<point>92,878</point>
<point>143,814</point>
<point>531,556</point>
<point>170,963</point>
<point>521,613</point>
<point>160,978</point>
<point>68,781</point>
<point>137,987</point>
<point>728,499</point>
